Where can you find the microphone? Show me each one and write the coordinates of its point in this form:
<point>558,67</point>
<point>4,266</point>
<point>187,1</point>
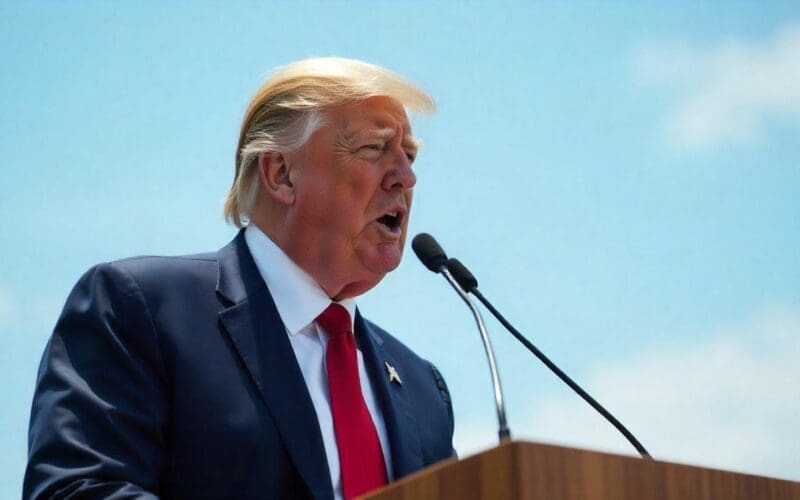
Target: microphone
<point>429,252</point>
<point>469,283</point>
<point>434,258</point>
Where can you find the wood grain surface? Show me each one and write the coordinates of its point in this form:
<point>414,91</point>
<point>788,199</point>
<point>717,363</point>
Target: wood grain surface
<point>529,471</point>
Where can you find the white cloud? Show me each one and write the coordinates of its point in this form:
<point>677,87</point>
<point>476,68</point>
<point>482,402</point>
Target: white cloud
<point>727,92</point>
<point>731,401</point>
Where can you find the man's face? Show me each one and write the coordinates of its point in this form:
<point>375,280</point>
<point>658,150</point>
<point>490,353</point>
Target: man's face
<point>353,188</point>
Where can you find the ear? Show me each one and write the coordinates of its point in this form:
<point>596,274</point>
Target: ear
<point>273,172</point>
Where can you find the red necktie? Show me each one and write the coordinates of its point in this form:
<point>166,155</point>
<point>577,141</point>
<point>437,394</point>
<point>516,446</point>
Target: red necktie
<point>360,456</point>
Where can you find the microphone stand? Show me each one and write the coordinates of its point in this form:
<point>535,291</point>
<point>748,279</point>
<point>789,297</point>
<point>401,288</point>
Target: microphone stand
<point>468,284</point>
<point>504,434</point>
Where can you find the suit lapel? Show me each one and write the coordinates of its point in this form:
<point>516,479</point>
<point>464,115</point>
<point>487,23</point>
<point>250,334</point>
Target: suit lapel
<point>401,426</point>
<point>256,330</point>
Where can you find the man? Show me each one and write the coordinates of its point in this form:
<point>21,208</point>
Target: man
<point>237,374</point>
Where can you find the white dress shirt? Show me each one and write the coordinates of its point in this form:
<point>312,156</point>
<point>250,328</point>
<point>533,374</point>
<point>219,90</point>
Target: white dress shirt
<point>299,300</point>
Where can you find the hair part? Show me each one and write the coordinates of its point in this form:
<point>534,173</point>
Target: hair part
<point>289,107</point>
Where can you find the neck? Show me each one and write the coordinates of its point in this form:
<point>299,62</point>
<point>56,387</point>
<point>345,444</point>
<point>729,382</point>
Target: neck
<point>332,278</point>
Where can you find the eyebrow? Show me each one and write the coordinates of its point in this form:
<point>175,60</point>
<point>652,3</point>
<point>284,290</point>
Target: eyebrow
<point>387,133</point>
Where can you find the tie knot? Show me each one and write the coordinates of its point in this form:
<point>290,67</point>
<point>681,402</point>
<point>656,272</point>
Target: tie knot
<point>335,320</point>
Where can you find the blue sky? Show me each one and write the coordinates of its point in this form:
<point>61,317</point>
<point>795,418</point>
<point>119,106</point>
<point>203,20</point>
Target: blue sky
<point>623,179</point>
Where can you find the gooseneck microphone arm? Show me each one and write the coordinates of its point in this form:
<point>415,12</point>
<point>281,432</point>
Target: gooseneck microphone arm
<point>469,283</point>
<point>434,258</point>
<point>503,432</point>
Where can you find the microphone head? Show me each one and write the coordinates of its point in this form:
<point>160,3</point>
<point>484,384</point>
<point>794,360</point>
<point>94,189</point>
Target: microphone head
<point>429,252</point>
<point>462,275</point>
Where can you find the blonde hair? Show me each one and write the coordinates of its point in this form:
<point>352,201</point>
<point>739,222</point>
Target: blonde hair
<point>289,107</point>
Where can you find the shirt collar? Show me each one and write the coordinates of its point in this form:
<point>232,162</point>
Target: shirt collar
<point>297,296</point>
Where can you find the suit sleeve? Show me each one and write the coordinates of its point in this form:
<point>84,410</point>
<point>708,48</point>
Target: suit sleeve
<point>445,393</point>
<point>99,408</point>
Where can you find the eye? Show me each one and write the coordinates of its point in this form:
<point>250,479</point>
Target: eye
<point>411,156</point>
<point>371,148</point>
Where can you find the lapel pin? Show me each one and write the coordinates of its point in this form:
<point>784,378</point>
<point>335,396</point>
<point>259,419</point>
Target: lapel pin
<point>393,375</point>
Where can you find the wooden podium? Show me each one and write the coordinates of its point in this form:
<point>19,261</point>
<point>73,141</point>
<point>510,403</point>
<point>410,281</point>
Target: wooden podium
<point>528,471</point>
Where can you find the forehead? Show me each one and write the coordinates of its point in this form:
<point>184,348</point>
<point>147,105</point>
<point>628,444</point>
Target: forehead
<point>376,113</point>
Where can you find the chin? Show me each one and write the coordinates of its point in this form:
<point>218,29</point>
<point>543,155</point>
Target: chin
<point>353,290</point>
<point>387,258</point>
<point>379,260</point>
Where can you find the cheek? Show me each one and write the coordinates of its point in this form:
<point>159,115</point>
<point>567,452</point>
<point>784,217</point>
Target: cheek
<point>328,204</point>
<point>357,193</point>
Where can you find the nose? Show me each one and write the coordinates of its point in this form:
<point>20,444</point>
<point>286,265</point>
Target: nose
<point>401,176</point>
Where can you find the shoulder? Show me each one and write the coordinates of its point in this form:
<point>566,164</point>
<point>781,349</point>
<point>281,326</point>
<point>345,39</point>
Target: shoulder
<point>162,266</point>
<point>152,272</point>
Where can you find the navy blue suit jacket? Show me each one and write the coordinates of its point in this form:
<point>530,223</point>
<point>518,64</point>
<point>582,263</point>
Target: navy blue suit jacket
<point>173,377</point>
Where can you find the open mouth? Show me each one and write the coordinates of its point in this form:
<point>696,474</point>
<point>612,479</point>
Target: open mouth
<point>391,220</point>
